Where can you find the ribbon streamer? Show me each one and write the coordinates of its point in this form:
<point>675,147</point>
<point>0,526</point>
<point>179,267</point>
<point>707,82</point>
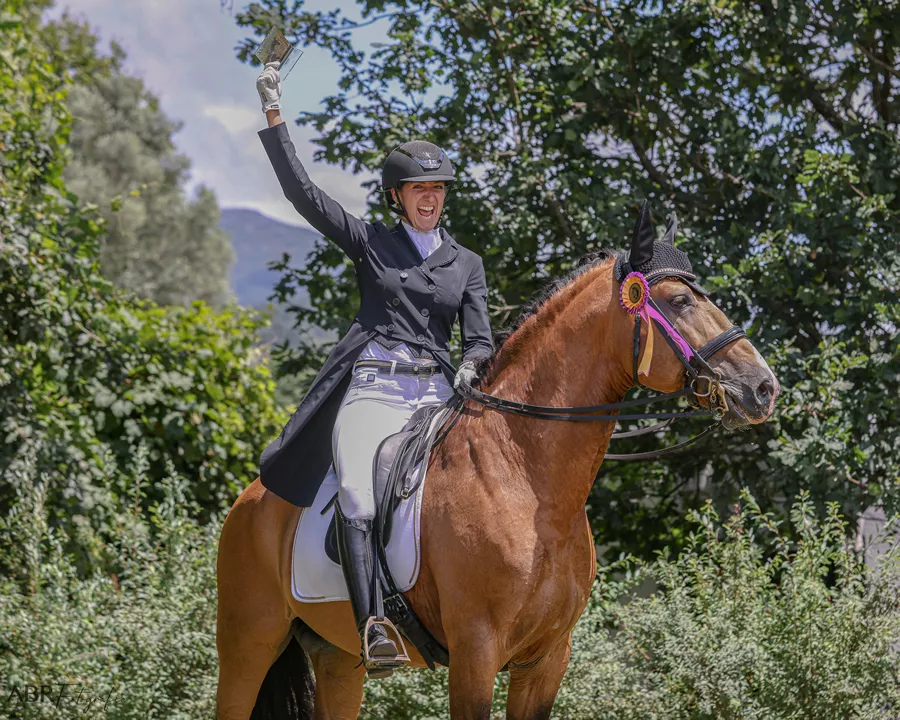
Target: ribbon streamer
<point>667,328</point>
<point>635,299</point>
<point>644,367</point>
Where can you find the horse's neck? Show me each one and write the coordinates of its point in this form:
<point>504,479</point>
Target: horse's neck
<point>569,354</point>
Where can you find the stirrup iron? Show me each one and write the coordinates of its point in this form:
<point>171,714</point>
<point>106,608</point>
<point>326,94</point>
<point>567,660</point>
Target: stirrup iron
<point>383,663</point>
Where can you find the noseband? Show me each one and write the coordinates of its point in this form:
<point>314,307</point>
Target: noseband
<point>697,372</point>
<point>696,365</point>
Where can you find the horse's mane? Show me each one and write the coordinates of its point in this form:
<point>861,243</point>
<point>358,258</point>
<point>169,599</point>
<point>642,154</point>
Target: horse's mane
<point>585,264</point>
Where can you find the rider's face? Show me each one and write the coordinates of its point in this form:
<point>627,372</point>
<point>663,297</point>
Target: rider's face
<point>423,202</point>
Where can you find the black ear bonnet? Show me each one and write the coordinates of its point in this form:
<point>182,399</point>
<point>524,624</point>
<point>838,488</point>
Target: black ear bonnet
<point>656,259</point>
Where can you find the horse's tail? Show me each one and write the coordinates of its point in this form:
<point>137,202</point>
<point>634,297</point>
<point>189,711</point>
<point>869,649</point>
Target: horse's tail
<point>289,690</point>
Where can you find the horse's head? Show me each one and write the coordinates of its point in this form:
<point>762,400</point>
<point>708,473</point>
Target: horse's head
<point>693,344</point>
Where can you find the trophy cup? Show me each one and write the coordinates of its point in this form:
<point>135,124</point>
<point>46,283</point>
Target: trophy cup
<point>276,48</point>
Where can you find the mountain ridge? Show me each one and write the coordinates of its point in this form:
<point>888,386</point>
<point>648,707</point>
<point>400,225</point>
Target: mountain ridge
<point>257,240</point>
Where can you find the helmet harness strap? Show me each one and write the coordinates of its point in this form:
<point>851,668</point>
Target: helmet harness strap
<point>415,161</point>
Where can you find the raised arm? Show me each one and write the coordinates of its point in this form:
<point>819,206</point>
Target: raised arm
<point>322,212</point>
<point>474,323</point>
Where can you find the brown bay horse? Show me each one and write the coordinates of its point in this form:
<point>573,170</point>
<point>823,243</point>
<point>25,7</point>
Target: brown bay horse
<point>507,553</point>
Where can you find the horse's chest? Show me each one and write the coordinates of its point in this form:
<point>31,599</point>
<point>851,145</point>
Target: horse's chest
<point>555,576</point>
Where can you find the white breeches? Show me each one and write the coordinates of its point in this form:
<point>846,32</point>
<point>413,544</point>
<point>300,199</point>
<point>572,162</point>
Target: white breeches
<point>372,409</point>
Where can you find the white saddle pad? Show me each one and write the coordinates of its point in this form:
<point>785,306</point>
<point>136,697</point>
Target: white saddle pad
<point>315,578</point>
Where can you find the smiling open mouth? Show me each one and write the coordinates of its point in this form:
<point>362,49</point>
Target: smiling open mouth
<point>426,211</point>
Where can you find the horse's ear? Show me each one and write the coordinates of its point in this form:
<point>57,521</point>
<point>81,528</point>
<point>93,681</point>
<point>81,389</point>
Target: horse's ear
<point>671,230</point>
<point>642,241</point>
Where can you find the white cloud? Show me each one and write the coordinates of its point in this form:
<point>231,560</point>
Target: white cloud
<point>236,120</point>
<point>184,52</point>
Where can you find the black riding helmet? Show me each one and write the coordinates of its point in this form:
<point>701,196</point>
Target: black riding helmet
<point>416,160</point>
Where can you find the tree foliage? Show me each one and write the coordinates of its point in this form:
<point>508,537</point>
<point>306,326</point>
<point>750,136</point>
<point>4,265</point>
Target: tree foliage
<point>158,243</point>
<point>89,373</point>
<point>771,128</point>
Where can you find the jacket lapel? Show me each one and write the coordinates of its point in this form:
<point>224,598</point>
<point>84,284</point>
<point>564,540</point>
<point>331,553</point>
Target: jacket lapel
<point>400,232</point>
<point>444,254</point>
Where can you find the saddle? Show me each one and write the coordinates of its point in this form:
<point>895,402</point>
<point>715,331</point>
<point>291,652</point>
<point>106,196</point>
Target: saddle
<point>395,459</point>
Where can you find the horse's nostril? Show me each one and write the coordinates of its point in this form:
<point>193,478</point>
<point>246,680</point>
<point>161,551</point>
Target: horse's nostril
<point>765,392</point>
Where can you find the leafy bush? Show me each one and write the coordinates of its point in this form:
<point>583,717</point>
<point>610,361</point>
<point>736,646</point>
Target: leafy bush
<point>135,643</point>
<point>88,373</point>
<point>731,632</point>
<point>735,632</point>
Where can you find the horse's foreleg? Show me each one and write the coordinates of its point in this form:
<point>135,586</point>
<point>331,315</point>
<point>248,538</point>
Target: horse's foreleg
<point>534,680</point>
<point>339,684</point>
<point>473,667</point>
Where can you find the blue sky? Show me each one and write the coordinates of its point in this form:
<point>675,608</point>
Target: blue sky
<point>184,51</point>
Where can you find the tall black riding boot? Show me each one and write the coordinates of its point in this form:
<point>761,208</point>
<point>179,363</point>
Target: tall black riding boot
<point>354,541</point>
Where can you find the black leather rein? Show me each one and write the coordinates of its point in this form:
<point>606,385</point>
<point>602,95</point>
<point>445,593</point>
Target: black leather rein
<point>696,369</point>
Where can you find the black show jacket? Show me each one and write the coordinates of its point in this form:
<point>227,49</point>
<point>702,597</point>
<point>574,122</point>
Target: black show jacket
<point>402,299</point>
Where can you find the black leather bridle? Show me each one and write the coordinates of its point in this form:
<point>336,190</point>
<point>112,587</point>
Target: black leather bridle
<point>697,371</point>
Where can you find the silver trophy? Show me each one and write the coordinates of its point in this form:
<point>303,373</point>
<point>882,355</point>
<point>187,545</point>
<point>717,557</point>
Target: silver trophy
<point>276,48</point>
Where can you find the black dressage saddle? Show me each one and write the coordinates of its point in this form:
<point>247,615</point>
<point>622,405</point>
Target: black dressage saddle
<point>392,466</point>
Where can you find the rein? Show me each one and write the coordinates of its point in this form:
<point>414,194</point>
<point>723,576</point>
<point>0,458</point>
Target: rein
<point>697,370</point>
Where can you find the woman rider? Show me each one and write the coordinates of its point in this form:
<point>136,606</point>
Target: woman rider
<point>414,280</point>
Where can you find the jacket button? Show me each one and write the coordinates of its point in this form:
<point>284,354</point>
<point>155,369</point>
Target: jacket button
<point>390,327</point>
<point>431,286</point>
<point>424,312</point>
<point>404,274</point>
<point>420,337</point>
<point>395,302</point>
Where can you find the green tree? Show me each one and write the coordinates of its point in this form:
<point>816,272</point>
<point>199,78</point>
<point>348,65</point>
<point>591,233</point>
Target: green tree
<point>158,243</point>
<point>771,128</point>
<point>88,372</point>
<point>73,45</point>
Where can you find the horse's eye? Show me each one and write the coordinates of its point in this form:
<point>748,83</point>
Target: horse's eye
<point>680,301</point>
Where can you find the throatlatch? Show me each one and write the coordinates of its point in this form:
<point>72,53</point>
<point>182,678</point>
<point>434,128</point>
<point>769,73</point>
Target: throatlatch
<point>647,263</point>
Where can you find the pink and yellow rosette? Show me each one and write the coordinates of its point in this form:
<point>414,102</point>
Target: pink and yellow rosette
<point>635,296</point>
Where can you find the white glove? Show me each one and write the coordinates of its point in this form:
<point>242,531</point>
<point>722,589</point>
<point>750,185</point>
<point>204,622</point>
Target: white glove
<point>466,373</point>
<point>268,85</point>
